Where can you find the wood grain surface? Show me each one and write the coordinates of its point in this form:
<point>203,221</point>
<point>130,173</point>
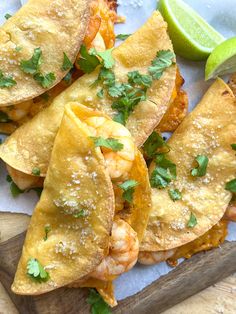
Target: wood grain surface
<point>187,279</point>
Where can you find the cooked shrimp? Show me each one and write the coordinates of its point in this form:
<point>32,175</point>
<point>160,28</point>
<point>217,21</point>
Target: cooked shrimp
<point>120,162</point>
<point>230,213</point>
<point>24,181</point>
<point>123,253</point>
<point>150,258</point>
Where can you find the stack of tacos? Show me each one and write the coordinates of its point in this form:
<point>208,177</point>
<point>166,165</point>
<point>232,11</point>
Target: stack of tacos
<point>103,206</point>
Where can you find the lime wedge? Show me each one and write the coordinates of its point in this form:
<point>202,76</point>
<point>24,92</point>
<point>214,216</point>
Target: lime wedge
<point>222,59</point>
<point>193,38</point>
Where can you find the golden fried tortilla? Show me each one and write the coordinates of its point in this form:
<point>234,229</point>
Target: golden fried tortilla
<point>55,26</point>
<point>76,181</point>
<point>137,213</point>
<point>209,130</point>
<point>30,146</point>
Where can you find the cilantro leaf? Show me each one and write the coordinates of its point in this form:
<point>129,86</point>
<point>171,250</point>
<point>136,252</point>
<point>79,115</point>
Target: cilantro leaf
<point>45,81</point>
<point>110,143</point>
<point>100,94</point>
<point>200,171</point>
<point>15,190</point>
<point>67,64</point>
<point>36,171</point>
<point>87,62</point>
<point>163,60</point>
<point>116,90</point>
<point>122,36</point>
<point>79,214</point>
<point>175,194</point>
<point>47,229</point>
<point>98,305</point>
<point>137,78</point>
<point>32,65</point>
<point>108,61</point>
<point>4,117</point>
<point>233,146</point>
<point>192,221</point>
<point>107,77</point>
<point>7,16</point>
<point>128,188</point>
<point>6,81</point>
<point>231,186</point>
<point>152,144</point>
<point>164,172</point>
<point>36,271</point>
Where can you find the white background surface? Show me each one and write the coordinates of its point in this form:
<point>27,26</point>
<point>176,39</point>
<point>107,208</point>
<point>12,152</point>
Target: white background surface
<point>222,16</point>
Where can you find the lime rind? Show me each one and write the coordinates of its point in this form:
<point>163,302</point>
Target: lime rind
<point>201,39</point>
<point>222,59</point>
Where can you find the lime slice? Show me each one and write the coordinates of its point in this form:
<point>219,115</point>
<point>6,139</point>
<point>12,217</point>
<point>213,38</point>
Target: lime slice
<point>192,37</point>
<point>222,59</point>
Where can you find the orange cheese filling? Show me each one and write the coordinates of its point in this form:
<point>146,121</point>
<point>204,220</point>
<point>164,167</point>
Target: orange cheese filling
<point>211,239</point>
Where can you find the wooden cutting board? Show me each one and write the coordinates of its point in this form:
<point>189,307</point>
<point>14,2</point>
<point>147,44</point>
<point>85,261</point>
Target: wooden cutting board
<point>188,278</point>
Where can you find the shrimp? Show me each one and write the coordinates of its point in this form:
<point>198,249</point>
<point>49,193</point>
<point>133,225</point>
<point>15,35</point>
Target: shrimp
<point>24,181</point>
<point>118,163</point>
<point>150,258</point>
<point>230,213</point>
<point>123,253</point>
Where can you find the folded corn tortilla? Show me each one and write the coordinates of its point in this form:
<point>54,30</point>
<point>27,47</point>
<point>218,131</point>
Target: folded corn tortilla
<point>76,180</point>
<point>30,146</point>
<point>55,26</point>
<point>208,130</point>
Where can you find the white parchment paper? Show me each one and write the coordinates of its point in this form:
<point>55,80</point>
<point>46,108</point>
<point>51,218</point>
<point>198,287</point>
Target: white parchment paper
<point>221,15</point>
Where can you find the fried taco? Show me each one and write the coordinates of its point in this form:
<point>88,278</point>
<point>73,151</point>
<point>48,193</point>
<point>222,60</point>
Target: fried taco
<point>104,176</point>
<point>191,180</point>
<point>149,49</point>
<point>38,46</point>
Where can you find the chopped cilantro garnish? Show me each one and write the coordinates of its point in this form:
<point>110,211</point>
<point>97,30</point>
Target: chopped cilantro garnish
<point>110,143</point>
<point>192,221</point>
<point>18,48</point>
<point>46,80</point>
<point>231,186</point>
<point>164,172</point>
<point>163,60</point>
<point>4,117</point>
<point>7,16</point>
<point>200,171</point>
<point>15,190</point>
<point>175,194</point>
<point>32,65</point>
<point>98,305</point>
<point>45,96</point>
<point>122,36</point>
<point>153,143</point>
<point>233,146</point>
<point>36,271</point>
<point>68,77</point>
<point>128,188</point>
<point>6,81</point>
<point>87,62</point>
<point>67,64</point>
<point>106,56</point>
<point>100,94</point>
<point>139,79</point>
<point>36,171</point>
<point>107,77</point>
<point>79,214</point>
<point>47,229</point>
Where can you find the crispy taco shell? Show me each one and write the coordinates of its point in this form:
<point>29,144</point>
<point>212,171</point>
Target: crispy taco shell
<point>208,130</point>
<point>137,213</point>
<point>30,146</point>
<point>56,26</point>
<point>75,246</point>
